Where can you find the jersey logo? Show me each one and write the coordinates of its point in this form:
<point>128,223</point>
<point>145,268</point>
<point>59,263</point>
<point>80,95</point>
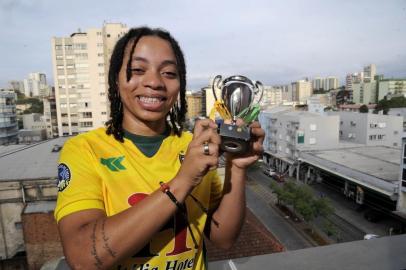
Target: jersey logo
<point>181,156</point>
<point>64,176</point>
<point>113,164</point>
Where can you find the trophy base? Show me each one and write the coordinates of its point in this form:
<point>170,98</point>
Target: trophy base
<point>234,139</point>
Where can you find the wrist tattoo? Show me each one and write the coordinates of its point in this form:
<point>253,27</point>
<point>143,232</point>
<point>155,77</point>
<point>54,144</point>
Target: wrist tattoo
<point>105,243</point>
<point>98,262</point>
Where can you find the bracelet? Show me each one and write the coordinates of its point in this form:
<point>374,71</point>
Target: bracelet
<point>165,189</point>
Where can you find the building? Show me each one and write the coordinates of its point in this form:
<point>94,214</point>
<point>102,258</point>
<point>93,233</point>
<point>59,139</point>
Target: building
<point>8,117</point>
<point>35,85</point>
<point>401,205</point>
<point>365,92</point>
<point>369,73</point>
<point>370,129</point>
<point>50,115</point>
<point>318,83</point>
<point>273,95</point>
<point>317,103</point>
<point>80,67</point>
<point>301,91</point>
<point>194,103</point>
<point>287,133</point>
<point>17,85</point>
<point>330,83</point>
<point>391,87</point>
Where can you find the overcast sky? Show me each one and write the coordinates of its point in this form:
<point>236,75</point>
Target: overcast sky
<point>275,42</point>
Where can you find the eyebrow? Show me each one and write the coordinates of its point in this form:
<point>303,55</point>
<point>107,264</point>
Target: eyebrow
<point>164,63</point>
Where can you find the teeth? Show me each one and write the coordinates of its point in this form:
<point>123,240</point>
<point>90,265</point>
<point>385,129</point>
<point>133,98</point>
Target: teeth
<point>150,99</point>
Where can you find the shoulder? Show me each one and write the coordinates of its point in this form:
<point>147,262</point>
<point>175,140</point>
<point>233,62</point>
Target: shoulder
<point>96,136</point>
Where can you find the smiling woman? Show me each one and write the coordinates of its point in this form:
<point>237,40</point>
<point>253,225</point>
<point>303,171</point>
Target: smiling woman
<point>143,191</point>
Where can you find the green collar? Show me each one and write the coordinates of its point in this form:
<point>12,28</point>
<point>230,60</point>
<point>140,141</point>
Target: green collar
<point>148,145</point>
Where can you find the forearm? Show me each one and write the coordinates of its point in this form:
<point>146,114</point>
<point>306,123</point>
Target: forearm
<point>104,241</point>
<point>228,219</point>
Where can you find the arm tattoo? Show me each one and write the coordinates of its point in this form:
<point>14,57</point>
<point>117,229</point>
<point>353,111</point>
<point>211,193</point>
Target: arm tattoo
<point>98,262</point>
<point>105,239</point>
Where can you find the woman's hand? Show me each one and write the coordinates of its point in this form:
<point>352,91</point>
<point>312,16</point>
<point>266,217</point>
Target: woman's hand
<point>199,161</point>
<point>255,151</point>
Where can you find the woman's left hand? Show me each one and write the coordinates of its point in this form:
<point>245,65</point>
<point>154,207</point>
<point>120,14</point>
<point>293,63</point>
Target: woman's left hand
<point>255,151</point>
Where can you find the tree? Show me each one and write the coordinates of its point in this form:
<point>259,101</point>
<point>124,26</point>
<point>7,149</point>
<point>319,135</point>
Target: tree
<point>363,109</point>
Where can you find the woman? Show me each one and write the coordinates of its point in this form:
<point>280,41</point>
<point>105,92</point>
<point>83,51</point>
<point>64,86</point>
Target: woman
<point>140,193</point>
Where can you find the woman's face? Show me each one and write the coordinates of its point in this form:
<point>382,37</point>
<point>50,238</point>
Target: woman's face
<point>154,84</point>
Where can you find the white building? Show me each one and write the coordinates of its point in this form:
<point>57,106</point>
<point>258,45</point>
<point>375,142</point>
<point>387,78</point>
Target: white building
<point>8,117</point>
<point>318,83</point>
<point>370,129</point>
<point>35,85</point>
<point>391,87</point>
<point>369,73</point>
<point>301,91</point>
<point>317,103</point>
<point>80,67</point>
<point>330,83</point>
<point>365,92</point>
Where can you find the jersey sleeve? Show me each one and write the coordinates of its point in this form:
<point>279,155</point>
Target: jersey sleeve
<point>79,185</point>
<point>216,191</point>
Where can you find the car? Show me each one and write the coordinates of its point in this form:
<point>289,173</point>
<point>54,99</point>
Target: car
<point>269,171</point>
<point>370,236</point>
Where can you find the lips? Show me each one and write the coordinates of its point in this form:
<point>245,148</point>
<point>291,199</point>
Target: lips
<point>151,103</point>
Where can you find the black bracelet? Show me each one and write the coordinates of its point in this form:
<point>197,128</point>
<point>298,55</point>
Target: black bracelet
<point>165,189</point>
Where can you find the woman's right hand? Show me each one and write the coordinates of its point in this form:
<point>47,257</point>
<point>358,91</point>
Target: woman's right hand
<point>196,162</point>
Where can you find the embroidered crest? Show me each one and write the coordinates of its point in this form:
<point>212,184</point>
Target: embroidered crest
<point>64,176</point>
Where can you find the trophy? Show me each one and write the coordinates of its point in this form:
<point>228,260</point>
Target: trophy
<point>240,98</point>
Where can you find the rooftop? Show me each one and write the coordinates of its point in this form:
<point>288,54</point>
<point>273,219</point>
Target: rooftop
<point>34,161</point>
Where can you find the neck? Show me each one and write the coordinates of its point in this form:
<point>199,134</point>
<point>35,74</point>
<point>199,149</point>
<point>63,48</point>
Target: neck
<point>135,126</point>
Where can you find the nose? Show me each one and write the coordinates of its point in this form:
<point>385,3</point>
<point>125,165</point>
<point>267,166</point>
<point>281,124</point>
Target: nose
<point>153,80</point>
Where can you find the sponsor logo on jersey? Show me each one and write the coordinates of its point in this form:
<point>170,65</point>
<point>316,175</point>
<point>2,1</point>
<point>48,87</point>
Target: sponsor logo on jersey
<point>181,156</point>
<point>64,176</point>
<point>113,164</point>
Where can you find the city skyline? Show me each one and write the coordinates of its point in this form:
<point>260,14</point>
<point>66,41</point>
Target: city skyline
<point>273,42</point>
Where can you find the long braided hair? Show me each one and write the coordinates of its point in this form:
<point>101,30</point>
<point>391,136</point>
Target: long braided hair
<point>178,111</point>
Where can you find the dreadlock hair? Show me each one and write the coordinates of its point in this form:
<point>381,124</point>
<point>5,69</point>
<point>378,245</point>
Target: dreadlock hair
<point>179,109</point>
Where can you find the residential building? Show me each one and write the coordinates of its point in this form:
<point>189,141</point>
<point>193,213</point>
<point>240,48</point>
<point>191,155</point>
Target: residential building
<point>273,95</point>
<point>17,85</point>
<point>318,83</point>
<point>288,132</point>
<point>352,78</point>
<point>391,87</point>
<point>301,90</point>
<point>370,129</point>
<point>365,92</point>
<point>369,73</point>
<point>330,83</point>
<point>194,103</point>
<point>8,117</point>
<point>317,103</point>
<point>35,85</point>
<point>50,115</point>
<point>401,205</point>
<point>80,67</point>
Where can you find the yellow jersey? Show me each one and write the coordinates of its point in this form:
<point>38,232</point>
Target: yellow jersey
<point>96,171</point>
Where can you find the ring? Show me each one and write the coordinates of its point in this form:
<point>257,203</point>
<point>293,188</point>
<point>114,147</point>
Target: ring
<point>206,149</point>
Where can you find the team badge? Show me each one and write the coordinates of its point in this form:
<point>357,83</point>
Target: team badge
<point>181,156</point>
<point>64,176</point>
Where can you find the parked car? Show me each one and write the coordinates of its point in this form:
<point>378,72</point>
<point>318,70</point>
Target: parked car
<point>369,236</point>
<point>269,171</point>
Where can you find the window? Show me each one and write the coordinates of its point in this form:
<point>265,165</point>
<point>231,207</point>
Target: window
<point>395,132</point>
<point>353,124</point>
<point>100,55</point>
<point>68,47</point>
<point>103,113</point>
<point>108,35</point>
<point>87,115</point>
<point>63,105</point>
<point>395,144</point>
<point>382,125</point>
<point>58,47</point>
<point>381,136</point>
<point>100,64</point>
<point>313,127</point>
<point>312,140</point>
<point>86,124</point>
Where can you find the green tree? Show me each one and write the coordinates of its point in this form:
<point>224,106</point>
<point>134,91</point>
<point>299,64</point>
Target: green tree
<point>363,109</point>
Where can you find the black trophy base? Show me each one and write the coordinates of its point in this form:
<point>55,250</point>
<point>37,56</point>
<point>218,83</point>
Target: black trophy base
<point>234,139</point>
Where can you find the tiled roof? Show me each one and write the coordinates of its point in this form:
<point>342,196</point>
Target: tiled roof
<point>254,240</point>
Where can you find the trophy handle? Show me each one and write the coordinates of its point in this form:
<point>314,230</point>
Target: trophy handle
<point>216,82</point>
<point>260,88</point>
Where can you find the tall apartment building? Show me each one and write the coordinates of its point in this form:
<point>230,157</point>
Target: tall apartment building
<point>8,117</point>
<point>301,91</point>
<point>369,73</point>
<point>50,115</point>
<point>365,92</point>
<point>318,83</point>
<point>80,67</point>
<point>194,103</point>
<point>273,95</point>
<point>330,83</point>
<point>35,85</point>
<point>370,129</point>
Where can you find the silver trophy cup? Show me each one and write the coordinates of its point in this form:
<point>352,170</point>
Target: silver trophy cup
<point>237,93</point>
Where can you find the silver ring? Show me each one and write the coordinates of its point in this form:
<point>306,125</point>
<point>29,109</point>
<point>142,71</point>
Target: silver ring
<point>206,149</point>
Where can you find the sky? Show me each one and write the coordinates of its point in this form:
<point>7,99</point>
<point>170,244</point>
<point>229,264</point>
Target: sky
<point>275,42</point>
